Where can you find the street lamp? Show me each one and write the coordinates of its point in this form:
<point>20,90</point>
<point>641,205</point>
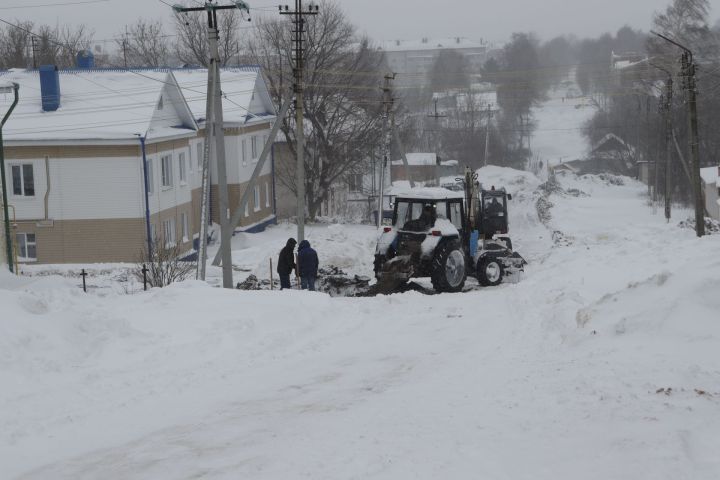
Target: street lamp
<point>7,88</point>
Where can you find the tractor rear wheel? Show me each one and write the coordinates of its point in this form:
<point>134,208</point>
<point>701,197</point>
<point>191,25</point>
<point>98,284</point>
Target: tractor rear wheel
<point>448,268</point>
<point>490,272</point>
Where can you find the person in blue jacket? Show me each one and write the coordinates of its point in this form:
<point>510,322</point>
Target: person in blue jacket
<point>307,265</point>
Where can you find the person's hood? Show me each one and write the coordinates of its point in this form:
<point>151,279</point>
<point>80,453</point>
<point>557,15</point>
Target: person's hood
<point>303,245</point>
<point>291,242</point>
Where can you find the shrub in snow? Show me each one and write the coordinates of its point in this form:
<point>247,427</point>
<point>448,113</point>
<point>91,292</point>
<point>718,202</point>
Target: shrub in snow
<point>163,264</point>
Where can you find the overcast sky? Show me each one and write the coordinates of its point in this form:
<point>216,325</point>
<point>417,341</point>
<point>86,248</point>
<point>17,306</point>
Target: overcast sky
<point>392,19</point>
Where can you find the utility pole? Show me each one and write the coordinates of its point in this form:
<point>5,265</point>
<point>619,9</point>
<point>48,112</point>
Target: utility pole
<point>387,104</point>
<point>487,135</point>
<point>436,116</point>
<point>214,128</point>
<point>33,41</point>
<point>298,20</point>
<point>688,73</point>
<point>668,146</point>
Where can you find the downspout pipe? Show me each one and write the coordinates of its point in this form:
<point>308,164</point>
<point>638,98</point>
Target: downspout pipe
<point>147,200</point>
<point>8,238</point>
<point>272,175</point>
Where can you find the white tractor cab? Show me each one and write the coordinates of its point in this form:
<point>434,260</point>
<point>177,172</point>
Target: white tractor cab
<point>447,235</point>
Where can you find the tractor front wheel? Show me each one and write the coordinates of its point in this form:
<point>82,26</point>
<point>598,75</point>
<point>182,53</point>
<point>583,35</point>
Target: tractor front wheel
<point>448,268</point>
<point>490,272</point>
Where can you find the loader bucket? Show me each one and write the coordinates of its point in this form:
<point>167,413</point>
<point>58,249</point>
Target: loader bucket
<point>394,274</point>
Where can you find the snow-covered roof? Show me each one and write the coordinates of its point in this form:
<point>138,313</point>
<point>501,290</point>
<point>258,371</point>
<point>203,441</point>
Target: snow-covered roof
<point>710,174</point>
<point>449,163</point>
<point>94,104</point>
<point>431,44</point>
<point>418,159</point>
<point>431,193</point>
<point>120,104</point>
<point>245,95</point>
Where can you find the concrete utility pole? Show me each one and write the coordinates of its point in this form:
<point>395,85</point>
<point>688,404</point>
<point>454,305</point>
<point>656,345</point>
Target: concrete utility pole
<point>298,20</point>
<point>668,146</point>
<point>487,136</point>
<point>7,88</point>
<point>214,128</point>
<point>387,104</point>
<point>688,73</point>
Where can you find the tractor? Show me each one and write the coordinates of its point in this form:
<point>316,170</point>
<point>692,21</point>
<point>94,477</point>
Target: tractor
<point>447,235</point>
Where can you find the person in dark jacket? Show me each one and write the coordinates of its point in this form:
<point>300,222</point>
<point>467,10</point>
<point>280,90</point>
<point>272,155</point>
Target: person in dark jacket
<point>286,263</point>
<point>307,265</point>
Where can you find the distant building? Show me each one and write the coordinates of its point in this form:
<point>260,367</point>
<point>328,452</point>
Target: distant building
<point>413,59</point>
<point>424,168</point>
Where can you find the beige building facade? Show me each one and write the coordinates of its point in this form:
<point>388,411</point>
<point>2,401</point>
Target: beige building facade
<point>98,194</point>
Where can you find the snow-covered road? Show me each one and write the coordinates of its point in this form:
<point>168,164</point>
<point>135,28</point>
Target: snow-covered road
<point>601,364</point>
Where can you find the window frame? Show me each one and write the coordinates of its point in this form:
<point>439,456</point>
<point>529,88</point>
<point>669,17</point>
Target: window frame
<point>24,244</point>
<point>200,150</point>
<point>182,168</point>
<point>253,148</point>
<point>150,176</point>
<point>267,194</point>
<point>256,198</point>
<point>169,232</point>
<point>166,171</point>
<point>185,227</point>
<point>243,151</point>
<point>355,186</point>
<point>21,168</point>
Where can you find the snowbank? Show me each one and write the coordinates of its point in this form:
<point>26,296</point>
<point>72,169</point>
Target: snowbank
<point>602,363</point>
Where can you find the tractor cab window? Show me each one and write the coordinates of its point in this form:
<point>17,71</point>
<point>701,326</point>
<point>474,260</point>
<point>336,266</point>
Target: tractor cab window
<point>440,210</point>
<point>415,216</point>
<point>493,207</point>
<point>456,215</point>
<point>402,213</point>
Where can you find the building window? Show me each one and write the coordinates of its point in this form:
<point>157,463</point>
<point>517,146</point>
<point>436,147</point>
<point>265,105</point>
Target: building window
<point>247,210</point>
<point>153,233</point>
<point>150,177</point>
<point>182,168</point>
<point>243,147</point>
<point>23,180</point>
<point>355,181</point>
<point>267,194</point>
<point>26,246</point>
<point>166,170</point>
<point>184,225</point>
<point>253,147</point>
<point>256,197</point>
<point>169,232</point>
<point>200,155</point>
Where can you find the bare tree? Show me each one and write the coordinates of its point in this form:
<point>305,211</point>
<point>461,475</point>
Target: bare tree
<point>15,44</point>
<point>192,43</point>
<point>342,98</point>
<point>164,264</point>
<point>145,44</point>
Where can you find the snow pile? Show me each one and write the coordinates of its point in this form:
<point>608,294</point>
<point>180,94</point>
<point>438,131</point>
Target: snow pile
<point>602,363</point>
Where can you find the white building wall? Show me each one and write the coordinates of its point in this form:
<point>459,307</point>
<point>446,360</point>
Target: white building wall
<point>178,193</point>
<point>81,189</point>
<point>28,208</point>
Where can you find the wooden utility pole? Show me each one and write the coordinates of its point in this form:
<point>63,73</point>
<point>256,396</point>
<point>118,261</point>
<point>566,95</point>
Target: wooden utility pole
<point>688,73</point>
<point>387,104</point>
<point>298,21</point>
<point>214,129</point>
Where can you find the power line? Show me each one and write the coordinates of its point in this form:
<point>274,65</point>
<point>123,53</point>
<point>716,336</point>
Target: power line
<point>53,4</point>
